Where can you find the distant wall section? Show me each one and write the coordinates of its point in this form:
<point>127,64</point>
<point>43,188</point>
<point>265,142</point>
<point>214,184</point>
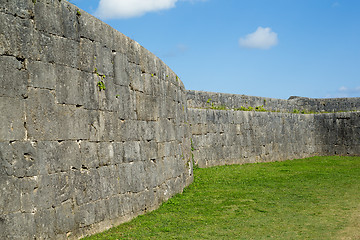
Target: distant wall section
<point>200,99</point>
<point>234,137</point>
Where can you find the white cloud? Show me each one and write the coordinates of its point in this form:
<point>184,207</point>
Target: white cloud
<point>335,4</point>
<point>262,38</point>
<point>131,8</point>
<point>345,92</point>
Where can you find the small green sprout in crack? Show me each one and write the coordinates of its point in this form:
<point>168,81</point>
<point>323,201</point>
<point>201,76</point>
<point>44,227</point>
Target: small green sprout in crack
<point>78,13</point>
<point>117,95</point>
<point>177,78</point>
<point>101,85</point>
<point>34,1</point>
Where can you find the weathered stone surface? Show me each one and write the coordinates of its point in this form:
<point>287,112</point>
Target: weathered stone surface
<point>12,119</point>
<point>76,158</point>
<point>13,77</point>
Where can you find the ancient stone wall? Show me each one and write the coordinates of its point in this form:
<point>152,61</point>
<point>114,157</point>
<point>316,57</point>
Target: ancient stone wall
<point>95,129</point>
<point>93,126</point>
<point>200,99</point>
<point>234,137</point>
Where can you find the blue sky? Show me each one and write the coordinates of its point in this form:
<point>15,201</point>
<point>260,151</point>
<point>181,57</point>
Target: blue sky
<point>268,48</point>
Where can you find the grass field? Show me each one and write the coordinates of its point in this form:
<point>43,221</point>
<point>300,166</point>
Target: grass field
<point>313,198</point>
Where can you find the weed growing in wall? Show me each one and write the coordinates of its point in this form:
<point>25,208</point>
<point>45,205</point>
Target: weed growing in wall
<point>100,83</point>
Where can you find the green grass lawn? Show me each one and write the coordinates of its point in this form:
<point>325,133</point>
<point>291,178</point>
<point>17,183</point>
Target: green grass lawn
<point>313,198</point>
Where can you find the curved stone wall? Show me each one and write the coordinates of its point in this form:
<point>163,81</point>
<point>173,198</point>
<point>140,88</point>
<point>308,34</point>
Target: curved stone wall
<point>94,127</point>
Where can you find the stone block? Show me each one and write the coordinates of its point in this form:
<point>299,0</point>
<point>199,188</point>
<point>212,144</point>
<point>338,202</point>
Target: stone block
<point>14,224</point>
<point>112,207</point>
<point>136,81</point>
<point>13,77</point>
<point>45,223</point>
<point>85,215</point>
<point>21,8</point>
<point>71,85</point>
<point>58,18</point>
<point>74,122</point>
<point>109,183</point>
<point>147,107</point>
<point>60,156</point>
<point>87,186</point>
<point>132,152</point>
<point>24,161</point>
<point>42,75</point>
<point>12,118</point>
<point>9,196</point>
<point>17,36</point>
<point>121,70</point>
<point>65,218</point>
<point>104,61</point>
<point>90,27</point>
<point>89,155</point>
<point>41,115</point>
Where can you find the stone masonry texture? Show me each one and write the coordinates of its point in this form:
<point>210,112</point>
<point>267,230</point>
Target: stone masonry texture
<point>96,130</point>
<point>76,159</point>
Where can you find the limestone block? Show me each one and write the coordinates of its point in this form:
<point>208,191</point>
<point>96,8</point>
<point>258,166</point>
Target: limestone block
<point>100,211</point>
<point>105,153</point>
<point>23,162</point>
<point>121,70</point>
<point>12,118</point>
<point>89,155</point>
<point>87,186</point>
<point>16,36</point>
<point>151,84</point>
<point>138,177</point>
<point>65,218</point>
<point>21,8</point>
<point>112,207</point>
<point>13,77</point>
<point>133,52</point>
<point>96,30</point>
<point>9,196</point>
<point>147,107</point>
<point>85,214</point>
<point>104,60</point>
<point>118,152</point>
<point>125,204</point>
<point>59,156</point>
<point>74,122</point>
<point>150,168</point>
<point>125,103</point>
<point>42,75</point>
<point>70,85</point>
<point>45,223</point>
<point>109,183</point>
<point>57,18</point>
<point>136,81</point>
<point>132,151</point>
<point>13,225</point>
